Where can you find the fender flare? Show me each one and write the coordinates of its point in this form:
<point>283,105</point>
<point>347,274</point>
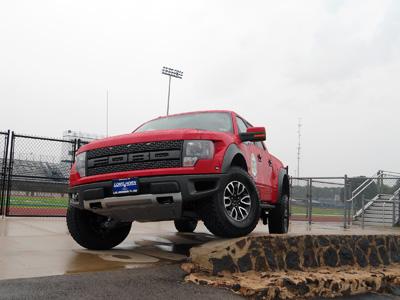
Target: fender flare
<point>230,153</point>
<point>283,173</point>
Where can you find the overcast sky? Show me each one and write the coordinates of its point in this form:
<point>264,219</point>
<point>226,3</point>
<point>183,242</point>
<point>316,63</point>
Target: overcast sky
<point>334,64</point>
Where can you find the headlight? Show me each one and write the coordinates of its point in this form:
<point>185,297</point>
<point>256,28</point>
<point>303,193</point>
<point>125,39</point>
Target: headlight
<point>81,164</point>
<point>195,150</point>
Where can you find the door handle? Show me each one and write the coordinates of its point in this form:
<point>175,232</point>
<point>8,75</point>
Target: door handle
<point>259,157</point>
<point>270,162</point>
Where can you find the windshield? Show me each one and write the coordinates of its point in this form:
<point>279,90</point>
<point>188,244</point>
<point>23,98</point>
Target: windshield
<point>212,121</point>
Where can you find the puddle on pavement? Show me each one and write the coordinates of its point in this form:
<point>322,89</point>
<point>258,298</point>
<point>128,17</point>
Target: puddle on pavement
<point>145,252</point>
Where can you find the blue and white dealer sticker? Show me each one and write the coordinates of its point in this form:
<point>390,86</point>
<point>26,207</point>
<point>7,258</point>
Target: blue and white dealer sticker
<point>125,186</point>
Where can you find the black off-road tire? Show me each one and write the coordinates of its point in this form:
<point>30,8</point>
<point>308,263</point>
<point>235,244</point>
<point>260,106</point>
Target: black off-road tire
<point>278,217</point>
<point>214,214</point>
<point>185,225</point>
<point>85,228</point>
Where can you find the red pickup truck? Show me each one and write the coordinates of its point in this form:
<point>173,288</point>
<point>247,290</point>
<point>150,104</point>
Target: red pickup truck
<point>211,166</point>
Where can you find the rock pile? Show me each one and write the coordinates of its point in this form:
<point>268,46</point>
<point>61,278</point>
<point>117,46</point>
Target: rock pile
<point>303,266</point>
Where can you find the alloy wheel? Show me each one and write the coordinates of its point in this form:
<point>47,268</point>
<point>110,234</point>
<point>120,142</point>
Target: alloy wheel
<point>237,201</point>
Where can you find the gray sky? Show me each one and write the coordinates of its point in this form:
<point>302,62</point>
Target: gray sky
<point>335,64</point>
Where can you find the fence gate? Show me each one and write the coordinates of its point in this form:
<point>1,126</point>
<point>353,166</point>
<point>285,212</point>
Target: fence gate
<point>4,138</point>
<point>317,199</point>
<point>37,176</point>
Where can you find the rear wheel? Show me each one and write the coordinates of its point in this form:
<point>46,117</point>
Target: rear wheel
<point>185,225</point>
<point>235,210</point>
<point>94,231</point>
<point>278,218</point>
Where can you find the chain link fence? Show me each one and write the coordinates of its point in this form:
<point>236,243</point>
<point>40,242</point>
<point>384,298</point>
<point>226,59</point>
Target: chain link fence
<point>38,176</point>
<point>358,200</point>
<point>34,174</point>
<point>318,199</point>
<point>4,138</point>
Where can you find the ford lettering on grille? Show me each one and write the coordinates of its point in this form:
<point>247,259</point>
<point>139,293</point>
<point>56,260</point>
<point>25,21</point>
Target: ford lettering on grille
<point>133,157</point>
<point>161,154</point>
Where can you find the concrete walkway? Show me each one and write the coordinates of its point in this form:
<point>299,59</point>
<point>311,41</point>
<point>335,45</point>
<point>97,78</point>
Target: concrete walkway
<point>35,247</point>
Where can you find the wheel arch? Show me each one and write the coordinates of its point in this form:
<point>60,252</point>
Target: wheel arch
<point>283,184</point>
<point>234,157</point>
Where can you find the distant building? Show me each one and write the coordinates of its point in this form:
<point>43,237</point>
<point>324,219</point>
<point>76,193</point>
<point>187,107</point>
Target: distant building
<point>84,137</point>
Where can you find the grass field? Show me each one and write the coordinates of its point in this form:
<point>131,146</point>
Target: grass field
<point>38,202</point>
<point>301,210</point>
<point>62,202</point>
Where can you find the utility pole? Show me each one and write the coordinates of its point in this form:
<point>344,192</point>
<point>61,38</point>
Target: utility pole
<point>171,73</point>
<point>298,146</point>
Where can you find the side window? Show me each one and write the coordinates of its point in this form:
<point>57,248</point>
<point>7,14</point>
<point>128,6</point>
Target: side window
<point>242,127</point>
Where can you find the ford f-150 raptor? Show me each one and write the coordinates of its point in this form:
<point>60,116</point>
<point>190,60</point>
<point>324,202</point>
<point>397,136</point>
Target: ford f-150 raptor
<point>211,166</point>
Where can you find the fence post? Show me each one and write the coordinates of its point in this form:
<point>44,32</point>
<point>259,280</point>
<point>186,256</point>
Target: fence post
<point>363,210</point>
<point>351,203</point>
<point>345,202</point>
<point>290,195</point>
<point>393,211</point>
<point>9,174</point>
<point>398,211</point>
<point>4,172</point>
<point>310,203</point>
<point>74,146</point>
<point>380,181</point>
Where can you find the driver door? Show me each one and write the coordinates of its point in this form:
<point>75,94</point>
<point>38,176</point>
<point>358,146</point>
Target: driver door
<point>257,161</point>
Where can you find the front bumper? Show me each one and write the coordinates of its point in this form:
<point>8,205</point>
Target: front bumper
<point>159,198</point>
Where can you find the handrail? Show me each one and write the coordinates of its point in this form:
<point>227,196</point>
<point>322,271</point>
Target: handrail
<point>364,182</point>
<point>353,197</point>
<point>396,193</point>
<point>391,172</point>
<point>360,211</point>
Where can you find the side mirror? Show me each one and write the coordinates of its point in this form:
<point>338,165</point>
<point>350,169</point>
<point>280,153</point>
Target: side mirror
<point>253,134</point>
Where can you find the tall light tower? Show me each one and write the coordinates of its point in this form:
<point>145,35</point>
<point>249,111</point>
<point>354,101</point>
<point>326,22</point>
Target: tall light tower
<point>171,73</point>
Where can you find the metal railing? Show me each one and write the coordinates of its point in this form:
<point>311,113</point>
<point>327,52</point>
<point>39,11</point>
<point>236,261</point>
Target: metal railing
<point>385,184</point>
<point>361,198</point>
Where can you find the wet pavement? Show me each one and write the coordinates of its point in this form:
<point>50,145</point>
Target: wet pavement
<point>35,247</point>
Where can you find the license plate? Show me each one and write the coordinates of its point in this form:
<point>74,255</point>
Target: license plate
<point>125,186</point>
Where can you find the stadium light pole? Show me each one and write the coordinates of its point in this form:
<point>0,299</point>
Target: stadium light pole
<point>171,73</point>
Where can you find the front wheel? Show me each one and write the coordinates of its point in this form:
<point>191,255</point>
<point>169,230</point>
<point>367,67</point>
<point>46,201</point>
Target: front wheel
<point>278,218</point>
<point>235,210</point>
<point>94,231</point>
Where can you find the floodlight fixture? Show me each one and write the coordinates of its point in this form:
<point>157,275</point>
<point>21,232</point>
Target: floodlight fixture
<point>171,73</point>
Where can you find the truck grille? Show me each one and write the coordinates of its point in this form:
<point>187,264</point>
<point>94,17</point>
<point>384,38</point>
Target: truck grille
<point>141,156</point>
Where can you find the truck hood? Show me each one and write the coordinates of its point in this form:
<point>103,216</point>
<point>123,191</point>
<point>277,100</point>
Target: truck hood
<point>156,135</point>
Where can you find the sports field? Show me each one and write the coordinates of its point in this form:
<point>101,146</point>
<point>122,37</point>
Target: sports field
<point>38,205</point>
<point>38,201</point>
<point>56,206</point>
<point>301,210</point>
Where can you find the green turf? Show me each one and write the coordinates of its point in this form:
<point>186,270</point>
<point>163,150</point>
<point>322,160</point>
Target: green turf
<point>33,202</point>
<point>60,202</point>
<point>301,210</point>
